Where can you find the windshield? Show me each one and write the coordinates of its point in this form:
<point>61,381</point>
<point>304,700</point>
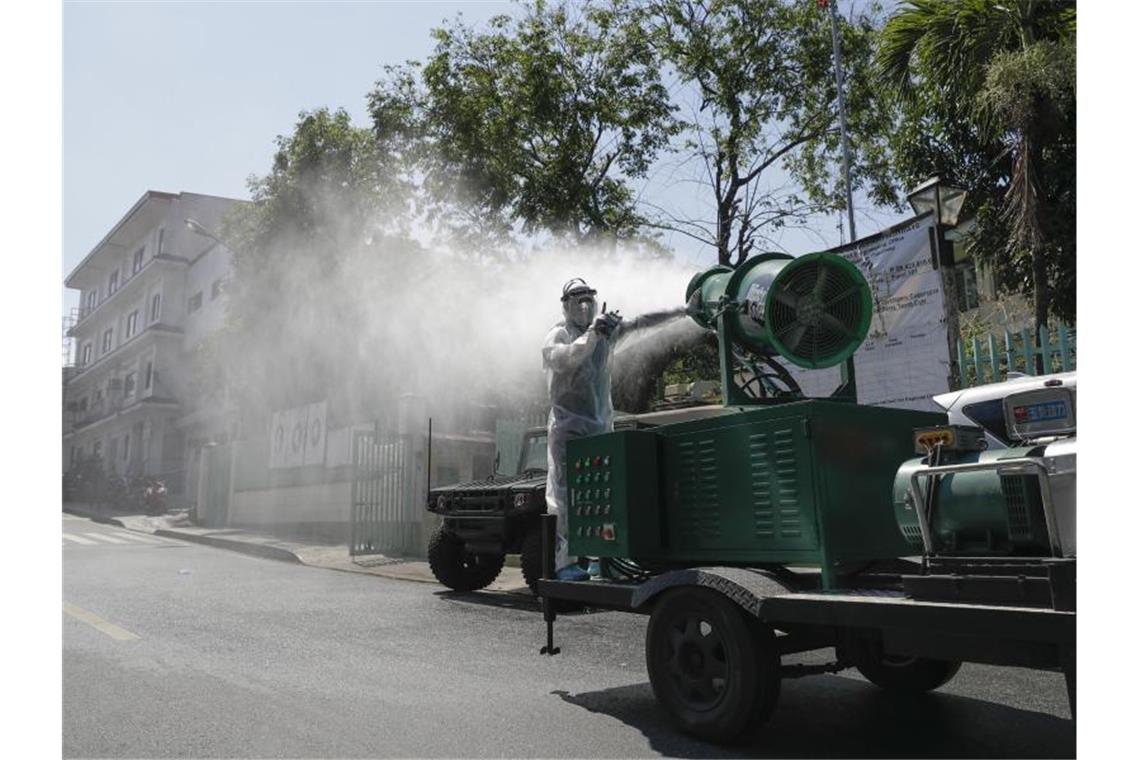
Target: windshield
<point>534,452</point>
<point>991,416</point>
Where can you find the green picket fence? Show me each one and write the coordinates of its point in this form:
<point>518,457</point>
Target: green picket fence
<point>992,359</point>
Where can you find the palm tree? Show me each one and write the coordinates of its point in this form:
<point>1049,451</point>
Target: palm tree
<point>1010,65</point>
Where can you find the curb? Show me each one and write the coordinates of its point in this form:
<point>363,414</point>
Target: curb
<point>95,517</point>
<point>257,550</point>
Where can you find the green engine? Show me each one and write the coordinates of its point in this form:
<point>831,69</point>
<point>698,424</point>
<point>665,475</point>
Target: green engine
<point>976,513</point>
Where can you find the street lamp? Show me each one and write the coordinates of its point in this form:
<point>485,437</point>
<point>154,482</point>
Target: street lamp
<point>935,195</point>
<point>945,201</point>
<point>199,229</point>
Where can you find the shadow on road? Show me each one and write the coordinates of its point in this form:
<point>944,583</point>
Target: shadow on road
<point>829,716</point>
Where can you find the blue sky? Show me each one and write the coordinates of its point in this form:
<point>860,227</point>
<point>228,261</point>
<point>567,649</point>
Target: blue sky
<point>189,96</point>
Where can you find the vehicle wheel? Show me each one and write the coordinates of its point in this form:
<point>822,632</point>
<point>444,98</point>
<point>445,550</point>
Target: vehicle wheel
<point>457,568</point>
<point>530,557</point>
<point>907,675</point>
<point>713,668</point>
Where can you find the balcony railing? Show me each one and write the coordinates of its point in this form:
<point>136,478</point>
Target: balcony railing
<point>115,402</point>
<point>85,310</point>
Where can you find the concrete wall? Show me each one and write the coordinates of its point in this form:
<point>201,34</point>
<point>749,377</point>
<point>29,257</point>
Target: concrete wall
<point>319,512</point>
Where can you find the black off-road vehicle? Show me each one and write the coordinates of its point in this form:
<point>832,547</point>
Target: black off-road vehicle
<point>485,520</point>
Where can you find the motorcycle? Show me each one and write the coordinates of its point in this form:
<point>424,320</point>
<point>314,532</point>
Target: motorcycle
<point>154,497</point>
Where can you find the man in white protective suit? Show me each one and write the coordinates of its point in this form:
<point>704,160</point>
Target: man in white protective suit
<point>576,356</point>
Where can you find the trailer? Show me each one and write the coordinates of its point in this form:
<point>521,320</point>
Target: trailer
<point>778,524</point>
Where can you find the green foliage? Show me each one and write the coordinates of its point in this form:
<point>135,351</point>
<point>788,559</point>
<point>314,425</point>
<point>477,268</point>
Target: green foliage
<point>765,97</point>
<point>702,363</point>
<point>985,92</point>
<point>538,122</point>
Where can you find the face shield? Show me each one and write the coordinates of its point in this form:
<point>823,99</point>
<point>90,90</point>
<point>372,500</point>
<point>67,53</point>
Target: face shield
<point>581,310</point>
<point>578,303</point>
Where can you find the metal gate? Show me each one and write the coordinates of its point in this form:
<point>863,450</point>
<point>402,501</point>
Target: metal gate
<point>385,518</point>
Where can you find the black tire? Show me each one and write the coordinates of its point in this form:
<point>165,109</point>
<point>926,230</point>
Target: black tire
<point>712,667</point>
<point>530,557</point>
<point>903,675</point>
<point>457,568</point>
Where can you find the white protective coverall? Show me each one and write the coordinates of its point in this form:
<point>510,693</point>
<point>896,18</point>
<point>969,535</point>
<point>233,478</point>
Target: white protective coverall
<point>577,363</point>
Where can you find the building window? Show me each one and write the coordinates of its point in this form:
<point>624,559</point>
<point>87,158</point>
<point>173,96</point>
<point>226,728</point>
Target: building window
<point>161,240</point>
<point>132,322</point>
<point>85,356</point>
<point>92,299</point>
<point>126,447</point>
<point>194,303</point>
<point>97,404</point>
<point>155,307</point>
<point>97,449</point>
<point>966,283</point>
<point>217,288</point>
<point>82,406</point>
<point>113,282</point>
<point>149,376</point>
<point>129,385</point>
<point>137,263</point>
<point>108,336</point>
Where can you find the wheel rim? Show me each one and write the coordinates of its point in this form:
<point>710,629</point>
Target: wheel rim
<point>896,661</point>
<point>696,662</point>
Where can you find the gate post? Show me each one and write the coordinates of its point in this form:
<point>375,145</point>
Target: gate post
<point>412,428</point>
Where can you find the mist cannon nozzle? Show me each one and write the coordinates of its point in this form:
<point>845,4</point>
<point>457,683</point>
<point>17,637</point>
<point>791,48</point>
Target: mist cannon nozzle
<point>814,310</point>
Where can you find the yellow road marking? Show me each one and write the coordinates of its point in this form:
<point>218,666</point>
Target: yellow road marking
<point>98,623</point>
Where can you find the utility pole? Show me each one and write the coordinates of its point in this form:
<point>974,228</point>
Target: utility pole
<point>831,4</point>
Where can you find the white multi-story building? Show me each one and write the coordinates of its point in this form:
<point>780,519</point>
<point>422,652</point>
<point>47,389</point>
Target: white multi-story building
<point>150,291</point>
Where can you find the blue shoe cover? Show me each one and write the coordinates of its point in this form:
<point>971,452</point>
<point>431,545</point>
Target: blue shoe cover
<point>572,573</point>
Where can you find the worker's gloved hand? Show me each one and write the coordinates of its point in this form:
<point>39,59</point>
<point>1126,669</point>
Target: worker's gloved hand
<point>605,324</point>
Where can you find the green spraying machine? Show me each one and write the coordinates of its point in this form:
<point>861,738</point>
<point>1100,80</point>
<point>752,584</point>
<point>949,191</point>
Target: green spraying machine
<point>769,478</point>
<point>885,533</point>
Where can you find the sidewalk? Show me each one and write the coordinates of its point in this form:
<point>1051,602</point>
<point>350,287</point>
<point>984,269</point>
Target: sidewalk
<point>179,527</point>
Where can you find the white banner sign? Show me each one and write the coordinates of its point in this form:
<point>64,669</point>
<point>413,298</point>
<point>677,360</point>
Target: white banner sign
<point>297,436</point>
<point>906,358</point>
<point>315,434</point>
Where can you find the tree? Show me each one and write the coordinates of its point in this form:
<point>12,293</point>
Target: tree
<point>324,220</point>
<point>987,96</point>
<point>538,122</point>
<point>763,90</point>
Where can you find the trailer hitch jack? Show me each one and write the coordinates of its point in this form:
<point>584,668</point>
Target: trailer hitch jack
<point>549,536</point>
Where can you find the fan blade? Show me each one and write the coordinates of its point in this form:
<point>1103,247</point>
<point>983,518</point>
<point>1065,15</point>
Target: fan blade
<point>834,324</point>
<point>841,296</point>
<point>797,335</point>
<point>820,281</point>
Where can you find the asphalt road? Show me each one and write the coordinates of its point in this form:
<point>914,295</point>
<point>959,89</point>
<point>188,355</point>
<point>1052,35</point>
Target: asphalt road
<point>181,650</point>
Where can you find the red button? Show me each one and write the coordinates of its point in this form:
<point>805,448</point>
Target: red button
<point>597,461</point>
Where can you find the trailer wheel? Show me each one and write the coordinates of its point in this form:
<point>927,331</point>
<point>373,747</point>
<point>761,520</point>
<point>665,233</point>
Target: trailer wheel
<point>458,569</point>
<point>907,675</point>
<point>714,669</point>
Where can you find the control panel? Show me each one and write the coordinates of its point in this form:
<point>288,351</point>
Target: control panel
<point>612,494</point>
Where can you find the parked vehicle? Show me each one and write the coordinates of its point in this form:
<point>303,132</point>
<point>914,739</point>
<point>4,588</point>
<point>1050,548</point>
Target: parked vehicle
<point>154,496</point>
<point>485,520</point>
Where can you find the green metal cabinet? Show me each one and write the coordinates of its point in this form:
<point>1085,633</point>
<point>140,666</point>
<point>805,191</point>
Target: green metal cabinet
<point>802,483</point>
